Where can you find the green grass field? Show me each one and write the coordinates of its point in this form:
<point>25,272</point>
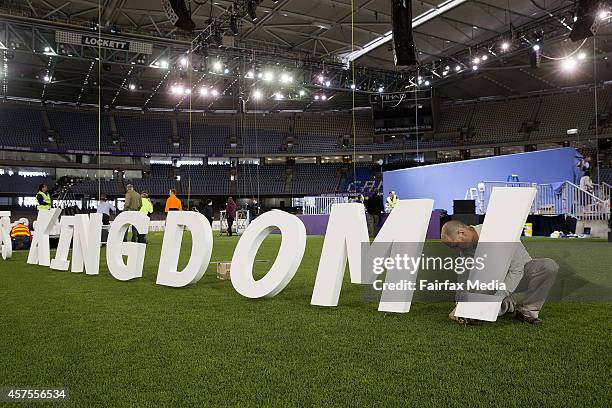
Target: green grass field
<point>139,344</point>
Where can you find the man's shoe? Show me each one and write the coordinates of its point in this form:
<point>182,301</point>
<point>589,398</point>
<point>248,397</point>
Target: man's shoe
<point>527,319</point>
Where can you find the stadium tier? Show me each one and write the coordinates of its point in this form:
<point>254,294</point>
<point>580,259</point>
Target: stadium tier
<point>251,180</point>
<point>16,184</point>
<point>520,120</point>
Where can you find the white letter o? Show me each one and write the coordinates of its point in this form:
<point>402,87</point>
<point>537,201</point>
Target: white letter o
<point>290,254</point>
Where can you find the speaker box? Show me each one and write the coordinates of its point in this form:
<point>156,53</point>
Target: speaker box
<point>178,14</point>
<point>464,207</point>
<point>586,24</point>
<point>404,53</point>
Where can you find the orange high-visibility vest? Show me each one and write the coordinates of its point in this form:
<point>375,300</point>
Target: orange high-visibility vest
<point>20,230</point>
<point>173,203</point>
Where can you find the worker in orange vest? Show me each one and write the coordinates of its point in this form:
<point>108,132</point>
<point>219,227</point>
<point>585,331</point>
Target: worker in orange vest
<point>173,203</point>
<point>21,237</point>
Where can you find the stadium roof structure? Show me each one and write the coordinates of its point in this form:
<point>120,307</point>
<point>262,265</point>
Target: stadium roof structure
<point>308,39</point>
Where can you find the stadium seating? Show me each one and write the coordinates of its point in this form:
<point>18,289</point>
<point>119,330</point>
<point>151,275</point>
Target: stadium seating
<point>208,134</point>
<point>79,130</point>
<point>23,185</point>
<point>605,175</point>
<point>21,127</point>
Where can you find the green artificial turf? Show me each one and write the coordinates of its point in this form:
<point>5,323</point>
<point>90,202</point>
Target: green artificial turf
<point>139,344</point>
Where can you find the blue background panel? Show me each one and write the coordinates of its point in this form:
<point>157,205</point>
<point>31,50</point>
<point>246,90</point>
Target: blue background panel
<point>449,181</point>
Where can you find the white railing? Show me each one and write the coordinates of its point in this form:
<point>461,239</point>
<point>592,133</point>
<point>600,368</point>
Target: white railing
<point>583,205</point>
<point>554,199</point>
<point>602,191</point>
<point>321,204</point>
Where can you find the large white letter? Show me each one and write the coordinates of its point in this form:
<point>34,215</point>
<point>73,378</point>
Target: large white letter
<point>5,235</point>
<point>86,244</point>
<point>116,248</point>
<point>287,261</point>
<point>201,249</point>
<point>60,262</point>
<point>39,250</point>
<point>345,235</point>
<point>84,232</point>
<point>508,209</point>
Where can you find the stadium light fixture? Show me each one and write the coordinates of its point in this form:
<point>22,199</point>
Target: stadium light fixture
<point>485,57</point>
<point>604,14</point>
<point>226,71</point>
<point>427,83</point>
<point>284,78</point>
<point>132,87</point>
<point>215,92</point>
<point>257,94</point>
<point>47,78</point>
<point>164,64</point>
<point>268,76</point>
<point>380,89</point>
<point>569,64</point>
<point>353,86</point>
<point>184,61</point>
<point>321,79</point>
<point>582,56</point>
<point>536,47</point>
<point>475,68</point>
<point>279,96</point>
<point>323,97</point>
<point>316,97</point>
<point>328,83</point>
<point>217,66</point>
<point>302,92</point>
<point>458,68</point>
<point>250,75</point>
<point>505,46</point>
<point>204,91</point>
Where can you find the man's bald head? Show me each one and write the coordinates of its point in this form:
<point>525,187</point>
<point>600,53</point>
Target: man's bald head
<point>457,234</point>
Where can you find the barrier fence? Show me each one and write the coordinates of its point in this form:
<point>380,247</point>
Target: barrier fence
<point>321,204</point>
<point>558,199</point>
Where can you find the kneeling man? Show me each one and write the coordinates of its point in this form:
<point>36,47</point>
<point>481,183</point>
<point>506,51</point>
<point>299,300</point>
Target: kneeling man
<point>539,274</point>
<point>21,237</point>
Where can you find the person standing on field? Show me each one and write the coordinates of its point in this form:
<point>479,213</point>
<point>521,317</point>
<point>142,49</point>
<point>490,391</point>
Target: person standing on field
<point>230,213</point>
<point>133,202</point>
<point>173,203</point>
<point>147,209</point>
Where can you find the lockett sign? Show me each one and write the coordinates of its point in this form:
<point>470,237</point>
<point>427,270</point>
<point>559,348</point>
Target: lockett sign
<point>105,43</point>
<point>345,239</point>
